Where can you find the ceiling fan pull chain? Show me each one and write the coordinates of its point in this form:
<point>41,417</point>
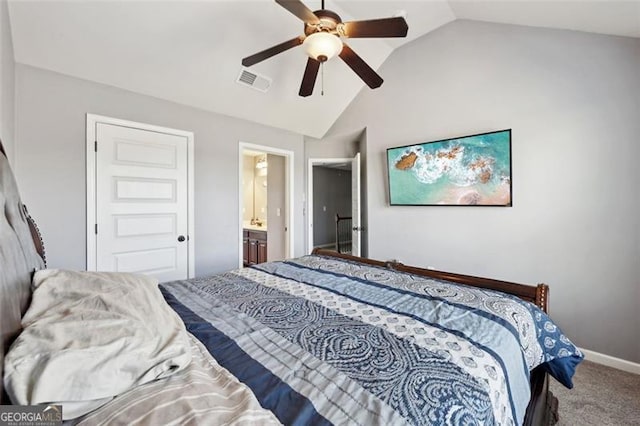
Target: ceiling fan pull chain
<point>322,77</point>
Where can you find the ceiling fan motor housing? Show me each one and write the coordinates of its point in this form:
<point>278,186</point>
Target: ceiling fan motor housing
<point>328,22</point>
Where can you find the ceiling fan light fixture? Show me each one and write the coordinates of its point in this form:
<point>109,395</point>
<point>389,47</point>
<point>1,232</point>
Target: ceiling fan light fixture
<point>261,163</point>
<point>322,40</point>
<point>322,46</point>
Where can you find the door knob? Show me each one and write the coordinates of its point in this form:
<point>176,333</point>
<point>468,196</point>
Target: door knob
<point>181,238</point>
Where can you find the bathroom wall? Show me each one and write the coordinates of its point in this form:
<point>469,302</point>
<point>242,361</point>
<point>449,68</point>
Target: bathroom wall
<point>260,191</point>
<point>254,189</point>
<point>247,188</point>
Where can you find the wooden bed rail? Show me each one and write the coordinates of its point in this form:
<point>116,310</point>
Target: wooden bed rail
<point>537,294</point>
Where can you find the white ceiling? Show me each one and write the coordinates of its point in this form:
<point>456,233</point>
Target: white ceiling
<point>190,51</point>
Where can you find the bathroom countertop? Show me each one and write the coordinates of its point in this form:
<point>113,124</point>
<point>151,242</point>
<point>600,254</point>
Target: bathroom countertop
<point>249,226</point>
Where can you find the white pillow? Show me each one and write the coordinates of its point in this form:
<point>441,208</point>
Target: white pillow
<point>89,336</point>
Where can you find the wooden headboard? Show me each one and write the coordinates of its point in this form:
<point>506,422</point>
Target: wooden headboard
<point>19,258</point>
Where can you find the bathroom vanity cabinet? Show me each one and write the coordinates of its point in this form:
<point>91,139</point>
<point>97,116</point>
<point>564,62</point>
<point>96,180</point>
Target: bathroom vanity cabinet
<point>254,247</point>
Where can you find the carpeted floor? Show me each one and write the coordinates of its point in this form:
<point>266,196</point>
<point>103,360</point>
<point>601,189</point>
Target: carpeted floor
<point>600,396</point>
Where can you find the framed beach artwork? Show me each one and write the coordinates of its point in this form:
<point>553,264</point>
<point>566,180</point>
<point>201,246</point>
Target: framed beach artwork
<point>467,171</point>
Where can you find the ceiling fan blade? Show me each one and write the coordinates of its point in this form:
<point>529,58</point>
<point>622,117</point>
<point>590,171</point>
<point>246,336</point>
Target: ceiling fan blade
<point>385,27</point>
<point>300,10</point>
<point>272,51</point>
<point>360,67</point>
<point>309,79</point>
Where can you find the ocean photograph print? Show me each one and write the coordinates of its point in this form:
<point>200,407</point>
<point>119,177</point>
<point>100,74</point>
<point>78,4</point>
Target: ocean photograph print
<point>467,171</point>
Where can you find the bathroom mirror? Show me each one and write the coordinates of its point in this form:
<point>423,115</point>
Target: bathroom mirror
<point>255,170</point>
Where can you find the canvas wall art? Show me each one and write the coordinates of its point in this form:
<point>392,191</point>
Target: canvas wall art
<point>467,171</point>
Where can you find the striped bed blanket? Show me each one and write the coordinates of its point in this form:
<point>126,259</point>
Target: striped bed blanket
<point>319,340</point>
<point>204,393</point>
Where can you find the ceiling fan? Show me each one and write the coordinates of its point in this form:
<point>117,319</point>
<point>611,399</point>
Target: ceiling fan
<point>322,39</point>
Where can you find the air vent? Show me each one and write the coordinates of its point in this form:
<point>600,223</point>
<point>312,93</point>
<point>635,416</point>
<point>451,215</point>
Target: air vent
<point>253,80</point>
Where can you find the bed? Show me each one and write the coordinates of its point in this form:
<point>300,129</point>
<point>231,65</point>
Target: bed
<point>327,338</point>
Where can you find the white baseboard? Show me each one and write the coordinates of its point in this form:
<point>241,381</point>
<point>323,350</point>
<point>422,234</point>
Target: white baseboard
<point>610,361</point>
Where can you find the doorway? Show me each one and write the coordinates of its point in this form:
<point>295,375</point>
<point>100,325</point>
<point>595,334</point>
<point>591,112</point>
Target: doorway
<point>139,199</point>
<point>265,190</point>
<point>334,219</point>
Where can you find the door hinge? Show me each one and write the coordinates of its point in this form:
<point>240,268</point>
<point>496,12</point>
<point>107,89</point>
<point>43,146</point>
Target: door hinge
<point>95,146</point>
<point>96,228</point>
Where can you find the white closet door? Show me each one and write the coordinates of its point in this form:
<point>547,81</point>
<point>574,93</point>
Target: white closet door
<point>141,202</point>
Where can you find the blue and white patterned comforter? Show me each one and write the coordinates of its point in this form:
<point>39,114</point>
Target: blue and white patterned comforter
<point>325,341</point>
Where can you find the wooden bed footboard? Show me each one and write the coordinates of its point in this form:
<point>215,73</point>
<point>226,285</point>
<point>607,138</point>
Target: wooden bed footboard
<point>541,410</point>
<point>537,294</point>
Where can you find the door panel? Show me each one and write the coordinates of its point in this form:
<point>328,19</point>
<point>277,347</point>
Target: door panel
<point>262,251</point>
<point>355,206</point>
<point>151,261</point>
<point>130,152</point>
<point>144,225</point>
<point>141,203</point>
<point>128,189</point>
<point>253,252</point>
<point>245,251</point>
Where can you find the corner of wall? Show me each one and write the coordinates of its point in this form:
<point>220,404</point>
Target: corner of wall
<point>7,86</point>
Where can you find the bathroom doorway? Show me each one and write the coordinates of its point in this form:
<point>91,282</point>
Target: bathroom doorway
<point>265,189</point>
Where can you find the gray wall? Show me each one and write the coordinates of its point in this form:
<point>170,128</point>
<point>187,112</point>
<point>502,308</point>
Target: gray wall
<point>7,85</point>
<point>248,168</point>
<point>51,112</point>
<point>573,102</point>
<point>342,146</point>
<point>276,199</point>
<point>331,196</point>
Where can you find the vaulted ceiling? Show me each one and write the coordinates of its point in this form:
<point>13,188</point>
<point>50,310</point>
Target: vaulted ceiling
<point>189,52</point>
